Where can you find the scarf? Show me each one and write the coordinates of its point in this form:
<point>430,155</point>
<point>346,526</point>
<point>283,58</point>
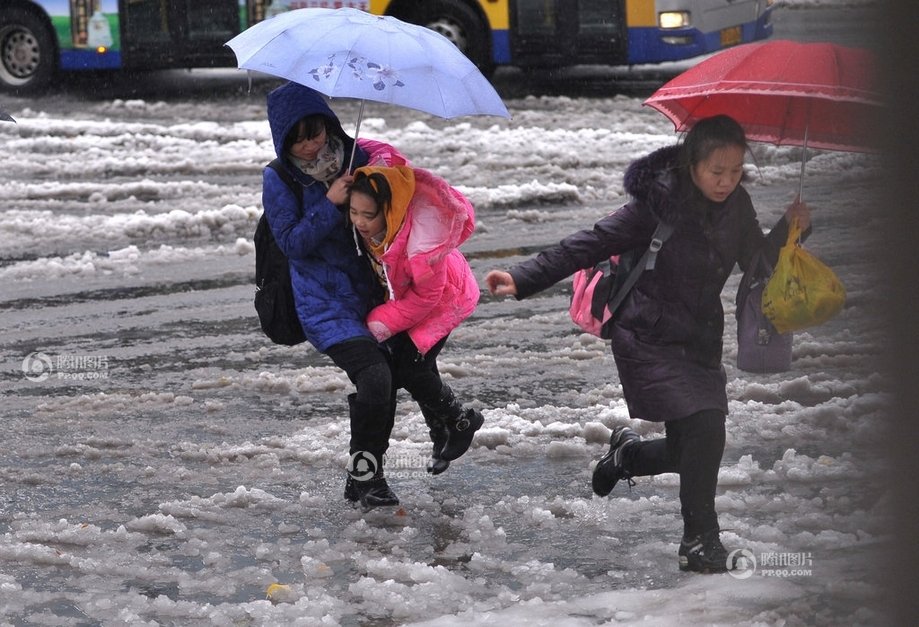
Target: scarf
<point>327,164</point>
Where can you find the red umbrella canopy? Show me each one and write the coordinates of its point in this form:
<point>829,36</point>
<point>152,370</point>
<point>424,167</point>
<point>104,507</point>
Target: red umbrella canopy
<point>781,91</point>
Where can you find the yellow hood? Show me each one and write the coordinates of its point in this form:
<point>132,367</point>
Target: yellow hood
<point>401,181</point>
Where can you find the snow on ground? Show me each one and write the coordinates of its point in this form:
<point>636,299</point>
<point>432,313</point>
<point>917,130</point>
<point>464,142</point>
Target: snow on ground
<point>165,464</point>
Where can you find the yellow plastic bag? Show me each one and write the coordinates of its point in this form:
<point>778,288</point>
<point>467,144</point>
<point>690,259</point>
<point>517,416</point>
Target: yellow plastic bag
<point>802,292</point>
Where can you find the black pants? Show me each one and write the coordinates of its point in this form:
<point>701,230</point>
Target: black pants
<point>367,366</point>
<point>415,373</point>
<point>377,372</point>
<point>693,448</point>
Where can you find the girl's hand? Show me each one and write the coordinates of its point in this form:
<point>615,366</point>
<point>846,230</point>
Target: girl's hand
<point>800,211</point>
<point>339,190</point>
<point>379,331</point>
<point>501,283</point>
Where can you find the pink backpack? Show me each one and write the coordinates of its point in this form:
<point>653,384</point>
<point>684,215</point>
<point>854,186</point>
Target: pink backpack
<point>592,286</point>
<point>596,293</point>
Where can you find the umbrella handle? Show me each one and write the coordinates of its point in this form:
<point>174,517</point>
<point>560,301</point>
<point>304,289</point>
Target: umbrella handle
<point>357,130</point>
<point>803,163</point>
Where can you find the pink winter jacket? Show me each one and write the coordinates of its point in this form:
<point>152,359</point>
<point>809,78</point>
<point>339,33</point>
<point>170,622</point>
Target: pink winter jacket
<point>431,286</point>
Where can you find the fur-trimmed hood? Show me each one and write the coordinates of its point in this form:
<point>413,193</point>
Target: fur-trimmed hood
<point>654,180</point>
<point>661,183</point>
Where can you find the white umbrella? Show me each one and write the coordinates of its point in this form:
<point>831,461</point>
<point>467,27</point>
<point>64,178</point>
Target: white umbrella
<point>348,53</point>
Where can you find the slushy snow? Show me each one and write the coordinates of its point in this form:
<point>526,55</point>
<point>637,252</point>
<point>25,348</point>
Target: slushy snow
<point>165,464</point>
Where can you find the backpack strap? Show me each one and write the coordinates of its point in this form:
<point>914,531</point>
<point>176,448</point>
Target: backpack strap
<point>645,262</point>
<point>295,186</point>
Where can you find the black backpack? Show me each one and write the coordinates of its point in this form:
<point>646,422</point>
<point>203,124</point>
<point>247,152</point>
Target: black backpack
<point>274,295</point>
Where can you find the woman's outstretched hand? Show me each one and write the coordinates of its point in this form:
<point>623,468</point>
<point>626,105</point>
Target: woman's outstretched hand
<point>500,283</point>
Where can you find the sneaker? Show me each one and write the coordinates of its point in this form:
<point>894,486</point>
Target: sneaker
<point>704,554</point>
<point>374,492</point>
<point>609,469</point>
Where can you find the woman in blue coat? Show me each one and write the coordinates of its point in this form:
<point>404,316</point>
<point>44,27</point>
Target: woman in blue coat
<point>333,289</point>
<point>667,334</point>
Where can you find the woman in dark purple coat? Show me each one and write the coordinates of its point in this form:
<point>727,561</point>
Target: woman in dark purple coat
<point>667,334</point>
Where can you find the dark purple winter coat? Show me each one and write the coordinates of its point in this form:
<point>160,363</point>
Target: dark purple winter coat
<point>667,334</point>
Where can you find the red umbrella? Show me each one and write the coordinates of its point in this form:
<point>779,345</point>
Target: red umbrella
<point>783,92</point>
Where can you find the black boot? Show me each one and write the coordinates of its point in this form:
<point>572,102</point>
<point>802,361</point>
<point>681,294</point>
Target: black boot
<point>374,492</point>
<point>371,424</point>
<point>461,424</point>
<point>437,429</point>
<point>460,430</point>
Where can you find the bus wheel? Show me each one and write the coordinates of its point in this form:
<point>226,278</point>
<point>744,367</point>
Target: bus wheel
<point>460,24</point>
<point>26,52</point>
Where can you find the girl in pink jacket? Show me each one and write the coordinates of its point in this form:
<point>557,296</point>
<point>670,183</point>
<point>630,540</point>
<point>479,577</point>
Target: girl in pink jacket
<point>410,224</point>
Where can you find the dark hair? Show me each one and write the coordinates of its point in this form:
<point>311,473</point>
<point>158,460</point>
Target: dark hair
<point>708,135</point>
<point>374,185</point>
<point>307,128</point>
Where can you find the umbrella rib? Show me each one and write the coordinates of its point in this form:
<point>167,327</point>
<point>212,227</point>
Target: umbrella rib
<point>780,88</point>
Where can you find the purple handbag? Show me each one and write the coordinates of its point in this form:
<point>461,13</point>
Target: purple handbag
<point>760,348</point>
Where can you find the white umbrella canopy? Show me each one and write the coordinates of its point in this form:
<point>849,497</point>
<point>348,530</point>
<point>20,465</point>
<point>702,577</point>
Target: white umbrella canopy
<point>348,53</point>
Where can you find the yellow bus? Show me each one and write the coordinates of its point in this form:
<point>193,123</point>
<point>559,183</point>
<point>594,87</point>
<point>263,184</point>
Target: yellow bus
<point>39,38</point>
<point>554,33</point>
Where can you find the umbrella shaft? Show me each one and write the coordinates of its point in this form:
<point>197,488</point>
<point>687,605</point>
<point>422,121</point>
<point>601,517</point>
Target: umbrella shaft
<point>803,164</point>
<point>357,130</point>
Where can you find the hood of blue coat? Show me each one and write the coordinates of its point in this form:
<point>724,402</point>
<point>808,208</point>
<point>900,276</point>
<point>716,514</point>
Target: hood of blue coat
<point>291,102</point>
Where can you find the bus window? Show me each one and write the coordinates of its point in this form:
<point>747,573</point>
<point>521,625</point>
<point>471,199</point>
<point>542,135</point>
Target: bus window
<point>145,22</point>
<point>207,23</point>
<point>173,33</point>
<point>535,18</point>
<point>553,33</point>
<point>601,32</point>
<point>600,17</point>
